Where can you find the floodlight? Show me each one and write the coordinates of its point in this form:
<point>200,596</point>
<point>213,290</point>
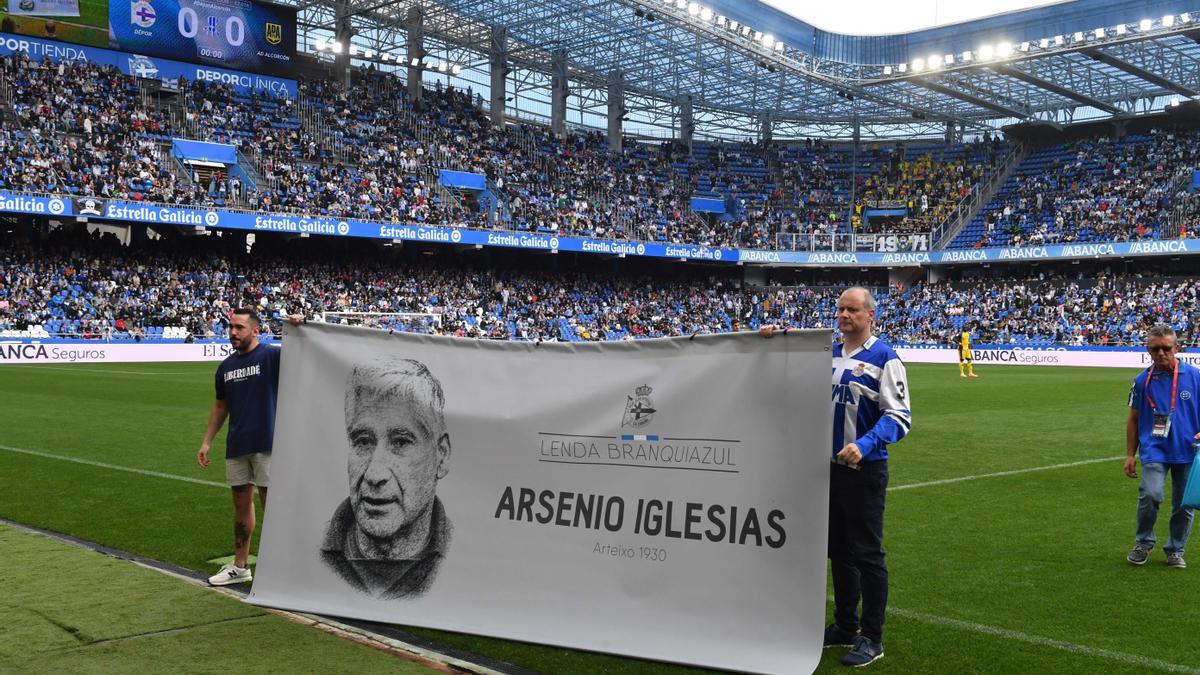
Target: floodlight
<point>966,56</point>
<point>778,46</point>
<point>1121,29</point>
<point>746,31</point>
<point>353,50</point>
<point>385,57</point>
<point>693,9</point>
<point>758,35</point>
<point>986,52</point>
<point>887,70</point>
<point>319,45</point>
<point>457,69</point>
<point>1044,43</point>
<point>1168,20</point>
<point>367,53</point>
<point>1059,40</point>
<point>933,62</point>
<point>1175,101</point>
<point>1099,33</point>
<point>1186,17</point>
<point>1025,47</point>
<point>443,67</point>
<point>1145,24</point>
<point>416,63</point>
<point>903,67</point>
<point>948,59</point>
<point>706,14</point>
<point>432,65</point>
<point>681,4</point>
<point>768,41</point>
<point>335,47</point>
<point>733,25</point>
<point>918,65</point>
<point>1004,50</point>
<point>721,21</point>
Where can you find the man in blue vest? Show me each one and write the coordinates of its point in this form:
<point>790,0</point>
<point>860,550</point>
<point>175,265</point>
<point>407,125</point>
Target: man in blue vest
<point>1163,428</point>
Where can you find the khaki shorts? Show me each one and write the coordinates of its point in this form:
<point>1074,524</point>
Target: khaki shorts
<point>254,468</point>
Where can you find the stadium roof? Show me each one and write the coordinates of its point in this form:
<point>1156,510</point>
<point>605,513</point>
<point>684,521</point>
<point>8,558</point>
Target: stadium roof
<point>742,60</point>
<point>871,17</point>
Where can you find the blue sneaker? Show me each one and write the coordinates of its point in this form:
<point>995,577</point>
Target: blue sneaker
<point>836,636</point>
<point>1139,555</point>
<point>864,652</point>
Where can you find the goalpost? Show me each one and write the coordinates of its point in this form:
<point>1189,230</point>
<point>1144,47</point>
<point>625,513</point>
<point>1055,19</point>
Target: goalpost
<point>418,322</point>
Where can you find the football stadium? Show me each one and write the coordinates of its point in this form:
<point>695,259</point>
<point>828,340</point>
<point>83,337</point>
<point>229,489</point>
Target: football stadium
<point>522,313</point>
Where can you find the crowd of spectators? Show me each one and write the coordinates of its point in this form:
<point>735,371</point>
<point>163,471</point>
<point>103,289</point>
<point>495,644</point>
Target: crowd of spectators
<point>80,128</point>
<point>1104,310</point>
<point>367,152</point>
<point>928,189</point>
<point>82,286</point>
<point>1098,189</point>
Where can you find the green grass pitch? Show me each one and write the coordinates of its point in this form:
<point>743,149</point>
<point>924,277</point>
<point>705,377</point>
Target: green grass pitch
<point>1018,572</point>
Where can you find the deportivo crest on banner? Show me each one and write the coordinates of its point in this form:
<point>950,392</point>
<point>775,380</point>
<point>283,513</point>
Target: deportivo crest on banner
<point>639,409</point>
<point>486,487</point>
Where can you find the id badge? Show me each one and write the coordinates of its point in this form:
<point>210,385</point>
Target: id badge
<point>1162,426</point>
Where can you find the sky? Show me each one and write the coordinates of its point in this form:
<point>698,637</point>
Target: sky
<point>881,17</point>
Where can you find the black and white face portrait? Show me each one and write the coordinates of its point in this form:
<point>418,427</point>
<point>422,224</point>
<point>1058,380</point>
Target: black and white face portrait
<point>399,449</point>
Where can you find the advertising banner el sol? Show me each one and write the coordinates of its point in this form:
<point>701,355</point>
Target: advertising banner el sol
<point>664,499</point>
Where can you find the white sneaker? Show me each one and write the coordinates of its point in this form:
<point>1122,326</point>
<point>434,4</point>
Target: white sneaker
<point>230,574</point>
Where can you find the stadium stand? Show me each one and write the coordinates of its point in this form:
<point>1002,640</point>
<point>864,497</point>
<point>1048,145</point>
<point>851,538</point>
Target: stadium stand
<point>72,285</point>
<point>1098,188</point>
<point>367,153</point>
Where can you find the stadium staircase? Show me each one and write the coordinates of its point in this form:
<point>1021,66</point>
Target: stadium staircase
<point>316,126</point>
<point>246,172</point>
<point>498,210</point>
<point>969,208</point>
<point>7,115</point>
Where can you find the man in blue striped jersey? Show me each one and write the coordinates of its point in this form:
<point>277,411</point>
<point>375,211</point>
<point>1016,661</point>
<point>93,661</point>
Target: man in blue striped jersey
<point>870,411</point>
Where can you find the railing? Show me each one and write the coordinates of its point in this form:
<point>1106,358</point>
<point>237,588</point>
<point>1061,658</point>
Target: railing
<point>969,206</point>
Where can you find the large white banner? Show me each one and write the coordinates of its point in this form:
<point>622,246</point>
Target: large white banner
<point>664,499</point>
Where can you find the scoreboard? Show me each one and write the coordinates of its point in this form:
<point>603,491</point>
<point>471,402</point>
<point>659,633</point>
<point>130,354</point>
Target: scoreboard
<point>237,34</point>
<point>244,35</point>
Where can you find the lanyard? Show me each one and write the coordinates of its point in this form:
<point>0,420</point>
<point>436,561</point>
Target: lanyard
<point>1174,388</point>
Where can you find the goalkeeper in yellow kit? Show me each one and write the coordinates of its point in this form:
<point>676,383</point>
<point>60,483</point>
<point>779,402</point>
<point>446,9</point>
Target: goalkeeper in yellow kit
<point>963,342</point>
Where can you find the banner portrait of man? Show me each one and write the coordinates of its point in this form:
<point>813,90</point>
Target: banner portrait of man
<point>390,535</point>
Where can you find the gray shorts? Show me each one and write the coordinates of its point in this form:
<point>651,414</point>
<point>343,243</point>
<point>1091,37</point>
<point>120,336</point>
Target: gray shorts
<point>253,468</point>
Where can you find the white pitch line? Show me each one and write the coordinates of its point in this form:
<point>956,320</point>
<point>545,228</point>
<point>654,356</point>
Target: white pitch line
<point>1017,636</point>
<point>1013,472</point>
<point>103,465</point>
<point>106,371</point>
<point>188,479</point>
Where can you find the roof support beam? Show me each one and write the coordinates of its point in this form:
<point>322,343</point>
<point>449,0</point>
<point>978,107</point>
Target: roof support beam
<point>1105,57</point>
<point>973,100</point>
<point>1021,75</point>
